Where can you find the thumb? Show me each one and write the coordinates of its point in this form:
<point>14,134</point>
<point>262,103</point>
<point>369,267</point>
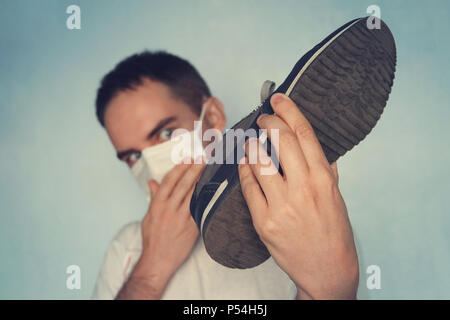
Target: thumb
<point>154,186</point>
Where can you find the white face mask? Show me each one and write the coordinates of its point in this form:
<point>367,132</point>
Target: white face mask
<point>156,161</point>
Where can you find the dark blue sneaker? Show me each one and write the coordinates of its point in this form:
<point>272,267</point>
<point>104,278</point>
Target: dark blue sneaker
<point>341,86</point>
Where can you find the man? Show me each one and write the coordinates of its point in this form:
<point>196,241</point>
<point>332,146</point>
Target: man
<point>140,103</point>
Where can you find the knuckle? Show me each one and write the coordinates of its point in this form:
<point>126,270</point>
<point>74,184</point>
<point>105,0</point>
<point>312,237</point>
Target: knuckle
<point>287,138</point>
<point>303,130</point>
<point>246,182</point>
<point>306,193</point>
<point>269,227</point>
<point>324,177</point>
<point>184,184</point>
<point>189,178</point>
<point>245,175</point>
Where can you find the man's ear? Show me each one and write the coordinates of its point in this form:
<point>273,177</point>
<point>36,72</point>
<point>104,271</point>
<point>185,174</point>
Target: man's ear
<point>214,114</point>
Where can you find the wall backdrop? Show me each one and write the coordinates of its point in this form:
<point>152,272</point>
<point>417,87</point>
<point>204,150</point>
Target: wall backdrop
<point>63,195</point>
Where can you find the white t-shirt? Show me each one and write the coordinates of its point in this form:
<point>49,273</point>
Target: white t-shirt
<point>199,277</point>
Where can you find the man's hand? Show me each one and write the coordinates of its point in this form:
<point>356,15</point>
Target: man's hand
<point>168,233</point>
<point>301,216</point>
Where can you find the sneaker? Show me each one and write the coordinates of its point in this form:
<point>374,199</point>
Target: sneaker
<point>341,86</point>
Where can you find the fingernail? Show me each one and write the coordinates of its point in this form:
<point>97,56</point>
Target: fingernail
<point>247,143</point>
<point>277,98</point>
<point>186,160</point>
<point>260,118</point>
<point>198,160</point>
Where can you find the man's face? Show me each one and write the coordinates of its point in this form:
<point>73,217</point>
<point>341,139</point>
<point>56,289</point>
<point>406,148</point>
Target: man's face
<point>145,116</point>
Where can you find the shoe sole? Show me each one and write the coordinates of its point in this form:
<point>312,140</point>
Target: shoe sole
<point>342,90</point>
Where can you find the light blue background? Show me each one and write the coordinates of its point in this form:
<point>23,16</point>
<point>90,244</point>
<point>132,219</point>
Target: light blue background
<point>63,195</point>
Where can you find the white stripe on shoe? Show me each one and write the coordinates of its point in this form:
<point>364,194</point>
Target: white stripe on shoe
<point>213,200</point>
<point>314,56</point>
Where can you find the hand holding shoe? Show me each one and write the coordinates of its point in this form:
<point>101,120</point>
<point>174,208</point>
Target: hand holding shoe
<point>301,216</point>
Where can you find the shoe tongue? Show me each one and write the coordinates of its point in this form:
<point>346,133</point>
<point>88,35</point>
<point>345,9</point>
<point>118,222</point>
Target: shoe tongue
<point>266,89</point>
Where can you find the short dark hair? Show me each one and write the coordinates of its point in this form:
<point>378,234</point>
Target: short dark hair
<point>178,74</point>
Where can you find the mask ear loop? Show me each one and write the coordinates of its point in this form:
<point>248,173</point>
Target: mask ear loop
<point>202,113</point>
<point>200,119</point>
<point>199,129</point>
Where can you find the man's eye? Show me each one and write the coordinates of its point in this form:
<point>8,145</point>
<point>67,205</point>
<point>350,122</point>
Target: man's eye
<point>134,157</point>
<point>166,133</point>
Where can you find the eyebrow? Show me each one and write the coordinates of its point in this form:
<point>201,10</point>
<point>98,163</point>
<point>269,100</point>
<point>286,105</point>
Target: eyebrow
<point>161,124</point>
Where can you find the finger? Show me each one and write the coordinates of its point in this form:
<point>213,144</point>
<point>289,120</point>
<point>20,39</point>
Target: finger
<point>292,160</point>
<point>287,110</point>
<point>334,169</point>
<point>264,170</point>
<point>185,204</point>
<point>185,183</point>
<point>253,195</point>
<point>171,178</point>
